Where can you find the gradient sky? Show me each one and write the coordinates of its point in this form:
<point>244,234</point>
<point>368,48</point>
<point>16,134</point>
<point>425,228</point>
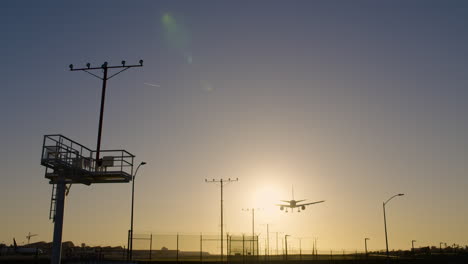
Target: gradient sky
<point>349,101</point>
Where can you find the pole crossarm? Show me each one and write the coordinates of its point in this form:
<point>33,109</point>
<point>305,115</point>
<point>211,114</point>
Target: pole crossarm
<point>222,181</point>
<point>105,66</point>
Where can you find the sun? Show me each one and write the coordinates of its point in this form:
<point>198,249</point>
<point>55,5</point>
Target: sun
<point>267,196</point>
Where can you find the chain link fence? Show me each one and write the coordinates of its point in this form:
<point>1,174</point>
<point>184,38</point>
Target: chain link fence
<point>236,248</point>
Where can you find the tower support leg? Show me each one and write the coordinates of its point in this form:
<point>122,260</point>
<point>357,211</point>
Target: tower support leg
<point>58,221</point>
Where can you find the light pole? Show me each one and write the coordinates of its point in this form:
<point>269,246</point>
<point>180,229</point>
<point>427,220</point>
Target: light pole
<point>130,241</point>
<point>412,245</point>
<point>221,183</point>
<point>385,220</point>
<point>365,244</point>
<point>253,228</point>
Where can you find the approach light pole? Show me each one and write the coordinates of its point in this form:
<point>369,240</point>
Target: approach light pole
<point>253,228</point>
<point>104,67</point>
<point>130,240</point>
<point>222,183</point>
<point>365,244</point>
<point>385,220</point>
<point>412,245</point>
<point>286,246</point>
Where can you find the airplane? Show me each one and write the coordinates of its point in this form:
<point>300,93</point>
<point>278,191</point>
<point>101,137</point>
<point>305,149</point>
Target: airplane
<point>21,250</point>
<point>295,204</point>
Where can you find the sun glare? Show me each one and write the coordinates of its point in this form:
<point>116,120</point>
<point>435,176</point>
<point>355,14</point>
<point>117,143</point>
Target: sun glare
<point>266,196</point>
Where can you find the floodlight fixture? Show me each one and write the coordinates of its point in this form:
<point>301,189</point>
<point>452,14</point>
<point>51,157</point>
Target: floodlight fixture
<point>123,63</point>
<point>141,62</point>
<point>104,65</point>
<point>71,67</point>
<point>401,194</point>
<point>88,65</point>
<point>143,163</point>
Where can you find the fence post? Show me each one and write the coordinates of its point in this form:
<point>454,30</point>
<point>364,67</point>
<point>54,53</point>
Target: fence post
<point>228,247</point>
<point>151,245</point>
<point>243,248</point>
<point>258,249</point>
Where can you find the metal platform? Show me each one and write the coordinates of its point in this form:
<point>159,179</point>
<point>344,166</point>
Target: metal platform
<point>77,163</point>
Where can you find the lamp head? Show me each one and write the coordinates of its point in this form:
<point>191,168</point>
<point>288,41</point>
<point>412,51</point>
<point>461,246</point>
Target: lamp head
<point>143,163</point>
<point>141,62</point>
<point>88,65</point>
<point>71,67</point>
<point>123,63</point>
<point>401,194</point>
<point>104,65</point>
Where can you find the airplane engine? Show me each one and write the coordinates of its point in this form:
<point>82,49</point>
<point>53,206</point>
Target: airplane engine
<point>303,207</point>
<point>281,208</point>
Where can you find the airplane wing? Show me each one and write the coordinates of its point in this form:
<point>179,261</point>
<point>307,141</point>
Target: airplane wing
<point>284,201</point>
<point>310,203</point>
<point>298,201</point>
<point>284,205</point>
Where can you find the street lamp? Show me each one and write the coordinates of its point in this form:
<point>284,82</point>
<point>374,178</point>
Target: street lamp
<point>365,244</point>
<point>130,241</point>
<point>385,219</point>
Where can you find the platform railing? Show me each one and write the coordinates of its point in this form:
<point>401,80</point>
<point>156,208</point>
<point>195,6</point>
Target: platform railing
<point>113,161</point>
<point>60,151</point>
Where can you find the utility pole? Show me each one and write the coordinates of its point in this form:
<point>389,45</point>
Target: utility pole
<point>104,67</point>
<point>221,183</point>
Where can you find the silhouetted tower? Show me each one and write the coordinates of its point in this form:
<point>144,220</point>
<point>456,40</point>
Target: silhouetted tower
<point>69,162</point>
<point>221,184</point>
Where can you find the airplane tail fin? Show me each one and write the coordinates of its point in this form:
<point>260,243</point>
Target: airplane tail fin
<point>292,191</point>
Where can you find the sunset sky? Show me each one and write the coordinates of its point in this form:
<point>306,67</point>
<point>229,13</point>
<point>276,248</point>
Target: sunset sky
<point>348,101</point>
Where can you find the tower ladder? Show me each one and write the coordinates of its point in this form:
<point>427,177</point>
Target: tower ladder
<point>53,200</point>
